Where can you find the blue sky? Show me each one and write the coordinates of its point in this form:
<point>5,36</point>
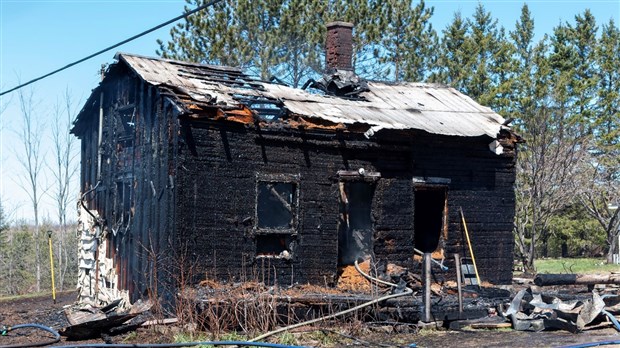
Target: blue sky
<point>38,36</point>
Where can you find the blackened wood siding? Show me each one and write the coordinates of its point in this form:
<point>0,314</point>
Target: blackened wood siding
<point>134,197</point>
<point>216,198</point>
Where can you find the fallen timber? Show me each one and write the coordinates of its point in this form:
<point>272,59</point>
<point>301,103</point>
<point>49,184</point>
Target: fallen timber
<point>409,309</point>
<point>576,279</point>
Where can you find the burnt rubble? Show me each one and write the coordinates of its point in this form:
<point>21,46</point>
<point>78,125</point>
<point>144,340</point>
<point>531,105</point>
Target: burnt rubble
<point>532,311</point>
<point>341,83</point>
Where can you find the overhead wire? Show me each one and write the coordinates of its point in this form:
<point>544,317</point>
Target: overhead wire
<point>197,9</point>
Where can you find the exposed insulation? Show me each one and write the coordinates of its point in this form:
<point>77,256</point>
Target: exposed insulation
<point>350,279</point>
<point>97,278</point>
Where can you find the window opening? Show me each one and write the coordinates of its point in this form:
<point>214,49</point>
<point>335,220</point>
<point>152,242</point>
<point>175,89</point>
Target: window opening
<point>276,217</point>
<point>275,206</point>
<point>429,217</point>
<point>274,245</point>
<point>355,226</point>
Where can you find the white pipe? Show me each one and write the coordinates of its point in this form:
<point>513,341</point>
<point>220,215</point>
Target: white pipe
<point>100,140</point>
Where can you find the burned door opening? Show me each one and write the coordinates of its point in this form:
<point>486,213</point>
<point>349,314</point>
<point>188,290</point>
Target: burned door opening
<point>430,210</point>
<point>356,230</point>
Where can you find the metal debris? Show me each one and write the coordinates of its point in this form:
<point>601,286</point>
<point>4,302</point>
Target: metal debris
<point>537,312</point>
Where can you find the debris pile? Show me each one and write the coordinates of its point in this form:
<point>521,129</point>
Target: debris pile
<point>351,280</point>
<point>89,322</point>
<point>530,311</point>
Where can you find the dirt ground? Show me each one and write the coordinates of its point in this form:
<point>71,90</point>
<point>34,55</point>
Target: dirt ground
<point>43,311</point>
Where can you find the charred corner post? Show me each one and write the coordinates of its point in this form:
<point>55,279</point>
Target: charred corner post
<point>192,164</point>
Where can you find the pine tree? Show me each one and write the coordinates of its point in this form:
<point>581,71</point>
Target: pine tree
<point>601,186</point>
<point>607,122</point>
<point>485,43</point>
<point>585,80</point>
<point>504,72</point>
<point>407,41</point>
<point>300,34</point>
<point>523,98</point>
<point>209,36</point>
<point>454,60</point>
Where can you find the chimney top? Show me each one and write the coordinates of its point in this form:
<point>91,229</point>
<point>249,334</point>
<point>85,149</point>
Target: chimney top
<point>339,24</point>
<point>339,46</point>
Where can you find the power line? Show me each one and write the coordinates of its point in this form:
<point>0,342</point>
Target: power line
<point>200,8</point>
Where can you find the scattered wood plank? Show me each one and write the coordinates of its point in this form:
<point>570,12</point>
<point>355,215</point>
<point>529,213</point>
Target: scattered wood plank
<point>93,322</point>
<point>165,321</point>
<point>84,315</point>
<point>491,325</point>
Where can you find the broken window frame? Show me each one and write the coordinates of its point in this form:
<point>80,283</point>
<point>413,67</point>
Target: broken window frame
<point>288,234</point>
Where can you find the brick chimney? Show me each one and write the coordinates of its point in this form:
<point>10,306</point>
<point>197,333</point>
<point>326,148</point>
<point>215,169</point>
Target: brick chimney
<point>339,46</point>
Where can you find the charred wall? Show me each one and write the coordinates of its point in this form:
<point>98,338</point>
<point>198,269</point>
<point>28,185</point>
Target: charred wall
<point>133,192</point>
<point>234,201</point>
<point>221,165</point>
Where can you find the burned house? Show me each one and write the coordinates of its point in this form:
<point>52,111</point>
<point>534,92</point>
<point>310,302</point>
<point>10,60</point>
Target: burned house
<point>202,167</point>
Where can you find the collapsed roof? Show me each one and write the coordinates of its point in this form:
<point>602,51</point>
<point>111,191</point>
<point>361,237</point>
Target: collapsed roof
<point>201,89</point>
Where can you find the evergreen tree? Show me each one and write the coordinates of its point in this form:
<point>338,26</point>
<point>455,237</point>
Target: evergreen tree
<point>563,60</point>
<point>607,123</point>
<point>504,72</point>
<point>258,22</point>
<point>601,171</point>
<point>298,50</point>
<point>285,38</point>
<point>210,36</point>
<point>490,56</point>
<point>523,99</point>
<point>476,58</point>
<point>575,234</point>
<point>454,59</point>
<point>408,40</point>
<point>585,79</point>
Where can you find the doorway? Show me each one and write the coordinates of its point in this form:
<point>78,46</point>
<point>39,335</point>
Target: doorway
<point>355,230</point>
<point>430,211</point>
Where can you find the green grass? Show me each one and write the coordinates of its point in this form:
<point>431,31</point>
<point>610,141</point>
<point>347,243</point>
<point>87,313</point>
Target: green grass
<point>185,337</point>
<point>25,296</point>
<point>577,265</point>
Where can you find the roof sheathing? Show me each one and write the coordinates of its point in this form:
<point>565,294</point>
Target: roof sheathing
<point>436,109</point>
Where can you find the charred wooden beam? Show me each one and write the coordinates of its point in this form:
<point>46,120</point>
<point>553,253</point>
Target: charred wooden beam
<point>576,279</point>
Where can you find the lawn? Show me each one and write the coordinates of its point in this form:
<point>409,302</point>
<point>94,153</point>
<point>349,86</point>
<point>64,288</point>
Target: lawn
<point>577,265</point>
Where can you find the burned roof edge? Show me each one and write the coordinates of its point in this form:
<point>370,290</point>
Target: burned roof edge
<point>439,109</point>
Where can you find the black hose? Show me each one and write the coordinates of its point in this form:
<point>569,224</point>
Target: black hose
<point>35,344</point>
<point>125,345</point>
<point>186,344</point>
<point>592,344</point>
<point>84,206</point>
<point>56,338</point>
